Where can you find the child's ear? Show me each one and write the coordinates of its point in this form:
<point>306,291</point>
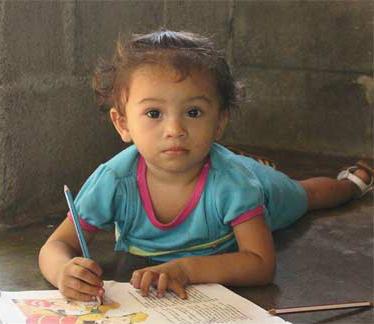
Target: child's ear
<point>223,120</point>
<point>120,123</point>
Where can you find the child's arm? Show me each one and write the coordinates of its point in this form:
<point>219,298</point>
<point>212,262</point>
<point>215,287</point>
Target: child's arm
<point>253,264</point>
<point>59,261</point>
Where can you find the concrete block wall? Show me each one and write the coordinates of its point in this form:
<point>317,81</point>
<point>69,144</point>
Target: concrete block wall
<point>308,67</point>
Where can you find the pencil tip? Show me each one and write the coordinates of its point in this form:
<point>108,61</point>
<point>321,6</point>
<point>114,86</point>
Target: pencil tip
<point>66,188</point>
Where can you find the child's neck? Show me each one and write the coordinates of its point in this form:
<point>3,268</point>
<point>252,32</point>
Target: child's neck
<point>174,178</point>
<point>176,187</point>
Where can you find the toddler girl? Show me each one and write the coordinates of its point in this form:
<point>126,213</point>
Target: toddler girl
<point>175,195</point>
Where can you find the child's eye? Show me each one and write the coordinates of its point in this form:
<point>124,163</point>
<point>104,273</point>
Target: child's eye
<point>153,114</point>
<point>194,113</point>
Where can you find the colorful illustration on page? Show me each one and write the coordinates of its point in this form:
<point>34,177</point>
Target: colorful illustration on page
<point>62,311</point>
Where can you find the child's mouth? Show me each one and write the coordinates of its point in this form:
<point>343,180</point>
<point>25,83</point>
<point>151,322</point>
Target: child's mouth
<point>175,151</point>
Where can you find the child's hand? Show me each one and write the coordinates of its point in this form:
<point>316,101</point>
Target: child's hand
<point>167,276</point>
<point>80,279</point>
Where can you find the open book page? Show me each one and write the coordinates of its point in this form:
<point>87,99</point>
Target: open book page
<point>209,303</point>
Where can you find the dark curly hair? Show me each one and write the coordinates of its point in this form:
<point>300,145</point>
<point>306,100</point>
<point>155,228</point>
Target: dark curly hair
<point>183,51</point>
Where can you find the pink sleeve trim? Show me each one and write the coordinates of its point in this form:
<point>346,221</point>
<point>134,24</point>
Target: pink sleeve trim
<point>85,226</point>
<point>258,211</point>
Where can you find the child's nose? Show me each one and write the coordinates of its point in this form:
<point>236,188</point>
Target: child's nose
<point>174,128</point>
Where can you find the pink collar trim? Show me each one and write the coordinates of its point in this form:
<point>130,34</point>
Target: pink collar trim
<point>147,202</point>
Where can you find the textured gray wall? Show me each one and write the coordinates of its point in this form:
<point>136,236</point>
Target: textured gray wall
<point>308,67</point>
<point>309,70</point>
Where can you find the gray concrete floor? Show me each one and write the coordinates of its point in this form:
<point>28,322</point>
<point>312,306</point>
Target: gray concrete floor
<point>326,257</point>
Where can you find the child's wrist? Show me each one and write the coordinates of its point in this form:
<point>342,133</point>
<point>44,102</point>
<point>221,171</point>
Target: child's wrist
<point>187,267</point>
<point>184,267</point>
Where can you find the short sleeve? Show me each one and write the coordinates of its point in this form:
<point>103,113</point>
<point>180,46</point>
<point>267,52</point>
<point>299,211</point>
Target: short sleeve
<point>239,196</point>
<point>96,201</point>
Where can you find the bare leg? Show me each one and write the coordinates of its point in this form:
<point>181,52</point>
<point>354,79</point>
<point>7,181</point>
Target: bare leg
<point>326,192</point>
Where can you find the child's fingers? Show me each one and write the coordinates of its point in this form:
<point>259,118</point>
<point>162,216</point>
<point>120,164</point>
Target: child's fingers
<point>76,295</point>
<point>162,285</point>
<point>89,264</point>
<point>136,279</point>
<point>68,282</point>
<point>82,287</point>
<point>147,278</point>
<point>85,275</point>
<point>72,287</point>
<point>143,279</point>
<point>79,282</point>
<point>178,288</point>
<point>85,270</point>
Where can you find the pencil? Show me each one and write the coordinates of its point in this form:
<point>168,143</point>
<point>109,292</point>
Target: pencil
<point>78,229</point>
<point>316,308</point>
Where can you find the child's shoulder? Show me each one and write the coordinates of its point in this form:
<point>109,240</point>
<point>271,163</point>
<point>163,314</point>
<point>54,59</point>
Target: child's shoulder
<point>232,180</point>
<point>223,159</point>
<point>228,164</point>
<point>124,163</point>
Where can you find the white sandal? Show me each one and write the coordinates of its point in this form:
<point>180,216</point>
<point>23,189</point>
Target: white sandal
<point>348,174</point>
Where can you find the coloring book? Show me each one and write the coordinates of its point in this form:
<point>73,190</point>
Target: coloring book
<point>208,303</point>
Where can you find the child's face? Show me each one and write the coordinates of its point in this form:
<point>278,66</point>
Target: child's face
<point>173,124</point>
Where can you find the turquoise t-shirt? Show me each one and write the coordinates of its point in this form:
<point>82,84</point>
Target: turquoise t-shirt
<point>230,189</point>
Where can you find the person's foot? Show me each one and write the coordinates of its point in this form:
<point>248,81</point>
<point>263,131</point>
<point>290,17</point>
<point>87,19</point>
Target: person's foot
<point>361,177</point>
<point>364,175</point>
